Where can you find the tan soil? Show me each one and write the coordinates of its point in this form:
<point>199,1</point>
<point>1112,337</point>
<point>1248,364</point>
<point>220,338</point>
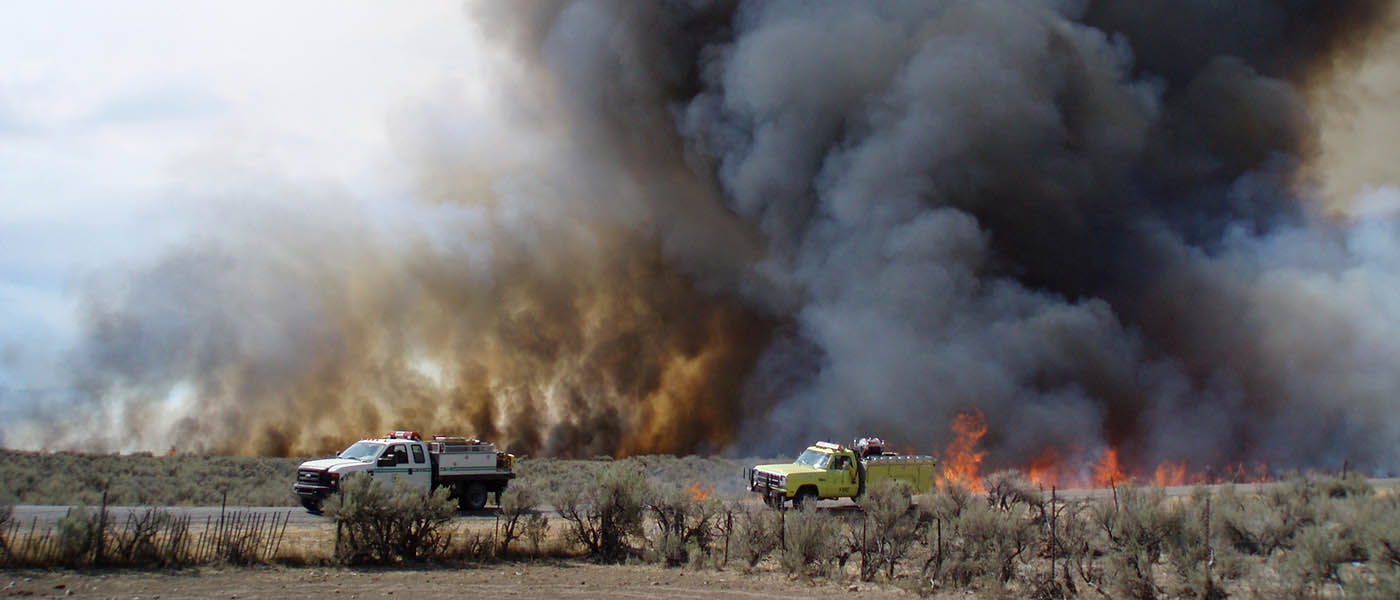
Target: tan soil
<point>557,579</point>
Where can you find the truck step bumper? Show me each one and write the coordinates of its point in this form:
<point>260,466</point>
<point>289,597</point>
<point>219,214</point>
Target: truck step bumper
<point>312,491</point>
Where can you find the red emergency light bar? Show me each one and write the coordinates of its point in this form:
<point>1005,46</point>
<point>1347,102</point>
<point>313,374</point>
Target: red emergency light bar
<point>404,435</point>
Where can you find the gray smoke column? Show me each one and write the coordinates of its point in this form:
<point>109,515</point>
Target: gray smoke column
<point>729,226</point>
<point>998,205</point>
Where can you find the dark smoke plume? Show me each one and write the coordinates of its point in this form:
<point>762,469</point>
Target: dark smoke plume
<point>733,226</point>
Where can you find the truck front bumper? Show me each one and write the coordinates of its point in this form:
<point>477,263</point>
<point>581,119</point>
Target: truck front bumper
<point>316,492</point>
<point>767,484</point>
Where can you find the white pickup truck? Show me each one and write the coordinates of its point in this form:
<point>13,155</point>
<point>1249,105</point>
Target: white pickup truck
<point>469,467</point>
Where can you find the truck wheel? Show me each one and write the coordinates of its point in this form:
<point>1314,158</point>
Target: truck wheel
<point>474,498</point>
<point>806,498</point>
<point>313,505</point>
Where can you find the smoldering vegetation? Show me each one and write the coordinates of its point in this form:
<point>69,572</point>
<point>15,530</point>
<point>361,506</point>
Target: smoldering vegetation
<point>735,227</point>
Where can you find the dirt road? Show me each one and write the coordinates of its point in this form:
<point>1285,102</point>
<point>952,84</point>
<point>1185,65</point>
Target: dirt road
<point>523,580</point>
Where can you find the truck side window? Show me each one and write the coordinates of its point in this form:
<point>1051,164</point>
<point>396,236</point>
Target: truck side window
<point>400,455</point>
<point>418,454</point>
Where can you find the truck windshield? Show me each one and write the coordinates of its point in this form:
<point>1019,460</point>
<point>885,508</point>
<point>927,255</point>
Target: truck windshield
<point>812,458</point>
<point>362,451</point>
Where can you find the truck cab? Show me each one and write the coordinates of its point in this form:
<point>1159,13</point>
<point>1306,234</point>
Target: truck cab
<point>823,470</point>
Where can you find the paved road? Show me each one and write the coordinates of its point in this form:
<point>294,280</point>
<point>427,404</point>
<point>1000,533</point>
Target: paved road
<point>27,513</point>
<point>45,514</point>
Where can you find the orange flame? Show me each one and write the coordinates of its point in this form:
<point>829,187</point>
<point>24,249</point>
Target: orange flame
<point>700,492</point>
<point>1071,467</point>
<point>961,461</point>
<point>1107,473</point>
<point>1045,469</point>
<point>1171,473</point>
<point>1240,473</point>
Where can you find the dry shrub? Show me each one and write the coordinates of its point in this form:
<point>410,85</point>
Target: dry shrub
<point>1079,548</point>
<point>757,534</point>
<point>518,507</point>
<point>889,528</point>
<point>604,513</point>
<point>1378,585</point>
<point>1381,517</point>
<point>1269,521</point>
<point>981,543</point>
<point>948,502</point>
<point>378,525</point>
<point>7,513</point>
<point>727,513</point>
<point>1192,551</point>
<point>78,533</point>
<point>1135,530</point>
<point>536,531</point>
<point>1288,508</point>
<point>1005,488</point>
<point>1312,562</point>
<point>686,527</point>
<point>153,538</point>
<point>1351,485</point>
<point>1238,521</point>
<point>476,546</point>
<point>812,539</point>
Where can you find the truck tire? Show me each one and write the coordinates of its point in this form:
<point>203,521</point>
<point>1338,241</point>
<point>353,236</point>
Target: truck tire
<point>313,505</point>
<point>473,498</point>
<point>805,499</point>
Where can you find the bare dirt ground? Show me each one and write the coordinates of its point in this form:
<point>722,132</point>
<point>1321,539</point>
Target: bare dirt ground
<point>524,580</point>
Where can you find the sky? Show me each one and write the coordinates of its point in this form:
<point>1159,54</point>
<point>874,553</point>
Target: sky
<point>120,122</point>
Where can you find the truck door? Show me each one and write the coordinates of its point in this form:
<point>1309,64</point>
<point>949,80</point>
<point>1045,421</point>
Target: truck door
<point>397,473</point>
<point>420,471</point>
<point>843,476</point>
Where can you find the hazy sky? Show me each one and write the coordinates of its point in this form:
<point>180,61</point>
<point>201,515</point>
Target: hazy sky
<point>120,121</point>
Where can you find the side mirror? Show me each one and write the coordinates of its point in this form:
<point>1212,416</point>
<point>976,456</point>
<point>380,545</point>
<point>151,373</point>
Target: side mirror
<point>386,461</point>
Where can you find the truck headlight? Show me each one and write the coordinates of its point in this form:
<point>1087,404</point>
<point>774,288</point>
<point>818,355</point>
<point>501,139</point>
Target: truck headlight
<point>782,481</point>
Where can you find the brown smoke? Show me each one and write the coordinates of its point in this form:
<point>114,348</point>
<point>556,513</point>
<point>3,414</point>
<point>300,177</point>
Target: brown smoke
<point>573,297</point>
<point>591,343</point>
<point>1352,93</point>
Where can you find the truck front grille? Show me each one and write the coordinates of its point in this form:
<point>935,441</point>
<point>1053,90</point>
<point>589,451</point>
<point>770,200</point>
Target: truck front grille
<point>765,479</point>
<point>313,477</point>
